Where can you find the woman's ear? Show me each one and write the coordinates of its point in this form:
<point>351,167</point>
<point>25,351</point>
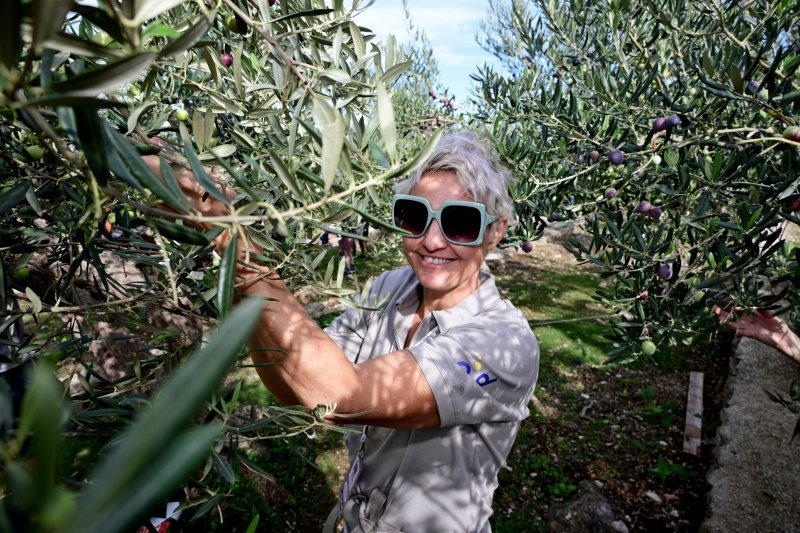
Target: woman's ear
<point>497,230</point>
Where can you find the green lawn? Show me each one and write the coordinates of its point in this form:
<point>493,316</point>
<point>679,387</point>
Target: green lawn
<point>306,472</point>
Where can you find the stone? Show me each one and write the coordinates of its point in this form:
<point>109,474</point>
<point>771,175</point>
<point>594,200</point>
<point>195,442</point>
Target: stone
<point>754,481</point>
<point>653,496</point>
<point>587,512</point>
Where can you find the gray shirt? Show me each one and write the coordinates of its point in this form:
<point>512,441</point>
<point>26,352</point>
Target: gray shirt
<point>481,361</point>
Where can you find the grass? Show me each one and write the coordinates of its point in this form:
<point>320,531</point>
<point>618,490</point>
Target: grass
<point>554,303</point>
<point>558,304</point>
<point>561,297</point>
<point>565,345</point>
<point>553,447</point>
<point>624,435</point>
<point>307,472</point>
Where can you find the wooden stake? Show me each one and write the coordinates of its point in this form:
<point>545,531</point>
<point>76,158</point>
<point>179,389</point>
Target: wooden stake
<point>693,435</point>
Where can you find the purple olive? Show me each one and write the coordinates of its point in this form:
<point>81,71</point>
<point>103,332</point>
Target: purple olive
<point>673,121</point>
<point>616,157</point>
<point>643,207</point>
<point>791,203</point>
<point>581,159</point>
<point>654,212</point>
<point>590,51</point>
<point>611,192</point>
<point>594,155</point>
<point>753,86</point>
<point>660,124</point>
<point>664,271</point>
<point>792,133</point>
<point>527,247</point>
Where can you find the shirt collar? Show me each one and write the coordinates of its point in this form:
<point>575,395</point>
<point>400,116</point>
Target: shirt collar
<point>483,299</point>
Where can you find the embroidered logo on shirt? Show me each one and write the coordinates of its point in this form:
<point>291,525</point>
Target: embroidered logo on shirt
<point>482,379</point>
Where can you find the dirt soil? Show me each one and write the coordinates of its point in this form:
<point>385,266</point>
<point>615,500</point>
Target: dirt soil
<point>639,466</point>
<point>621,428</point>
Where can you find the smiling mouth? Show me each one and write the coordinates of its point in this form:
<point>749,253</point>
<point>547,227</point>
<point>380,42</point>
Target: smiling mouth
<point>435,260</point>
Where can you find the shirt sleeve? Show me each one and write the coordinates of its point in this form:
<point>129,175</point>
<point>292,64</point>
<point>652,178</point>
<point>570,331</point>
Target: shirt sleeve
<point>349,329</point>
<point>480,372</point>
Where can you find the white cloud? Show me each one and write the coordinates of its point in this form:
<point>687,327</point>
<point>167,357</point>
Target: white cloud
<point>451,28</point>
<point>383,18</point>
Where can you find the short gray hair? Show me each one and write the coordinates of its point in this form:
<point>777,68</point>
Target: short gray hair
<point>484,179</point>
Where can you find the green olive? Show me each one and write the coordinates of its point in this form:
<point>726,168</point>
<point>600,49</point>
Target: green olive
<point>36,152</point>
<point>648,347</point>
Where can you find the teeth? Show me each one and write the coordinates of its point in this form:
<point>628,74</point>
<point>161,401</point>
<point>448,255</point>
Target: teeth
<point>436,260</point>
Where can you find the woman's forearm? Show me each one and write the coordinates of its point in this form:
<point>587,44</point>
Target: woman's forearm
<point>297,360</point>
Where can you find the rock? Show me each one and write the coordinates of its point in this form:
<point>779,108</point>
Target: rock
<point>754,481</point>
<point>619,526</point>
<point>653,496</point>
<point>315,309</point>
<point>494,255</point>
<point>588,512</point>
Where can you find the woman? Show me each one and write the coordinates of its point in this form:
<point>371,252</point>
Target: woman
<point>440,378</point>
<point>347,249</point>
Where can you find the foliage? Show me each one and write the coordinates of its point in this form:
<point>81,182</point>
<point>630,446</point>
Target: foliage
<point>665,469</point>
<point>496,37</point>
<point>421,102</point>
<point>791,404</point>
<point>662,128</point>
<point>154,454</point>
<point>289,104</point>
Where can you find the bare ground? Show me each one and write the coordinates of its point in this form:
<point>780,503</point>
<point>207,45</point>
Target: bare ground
<point>623,431</point>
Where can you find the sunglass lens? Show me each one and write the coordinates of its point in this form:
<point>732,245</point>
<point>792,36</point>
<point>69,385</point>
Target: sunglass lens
<point>411,216</point>
<point>461,223</point>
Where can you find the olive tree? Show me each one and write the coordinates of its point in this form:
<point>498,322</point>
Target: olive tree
<point>668,130</point>
<point>289,103</point>
<point>422,103</point>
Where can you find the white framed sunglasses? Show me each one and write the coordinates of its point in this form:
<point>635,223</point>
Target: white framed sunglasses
<point>462,223</point>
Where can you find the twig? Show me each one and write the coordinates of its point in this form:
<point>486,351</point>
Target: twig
<point>81,308</point>
<point>577,319</point>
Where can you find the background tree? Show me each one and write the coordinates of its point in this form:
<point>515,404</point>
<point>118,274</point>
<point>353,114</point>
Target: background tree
<point>669,131</point>
<point>421,102</point>
<point>497,34</point>
<point>288,102</point>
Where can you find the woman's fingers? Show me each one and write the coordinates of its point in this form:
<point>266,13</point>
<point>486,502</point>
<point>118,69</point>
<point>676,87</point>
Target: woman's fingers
<point>206,204</point>
<point>724,317</point>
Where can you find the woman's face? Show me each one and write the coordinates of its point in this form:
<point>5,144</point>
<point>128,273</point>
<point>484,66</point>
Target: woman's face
<point>448,272</point>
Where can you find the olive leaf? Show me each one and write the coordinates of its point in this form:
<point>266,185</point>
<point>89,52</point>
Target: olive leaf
<point>148,9</point>
<point>107,77</point>
<point>332,129</point>
<point>387,124</point>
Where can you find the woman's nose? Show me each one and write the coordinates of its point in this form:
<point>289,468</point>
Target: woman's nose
<point>434,239</point>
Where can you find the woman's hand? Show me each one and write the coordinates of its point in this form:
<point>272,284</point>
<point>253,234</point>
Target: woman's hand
<point>208,206</point>
<point>763,326</point>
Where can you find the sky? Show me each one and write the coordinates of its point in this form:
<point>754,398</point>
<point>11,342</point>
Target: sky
<point>451,27</point>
